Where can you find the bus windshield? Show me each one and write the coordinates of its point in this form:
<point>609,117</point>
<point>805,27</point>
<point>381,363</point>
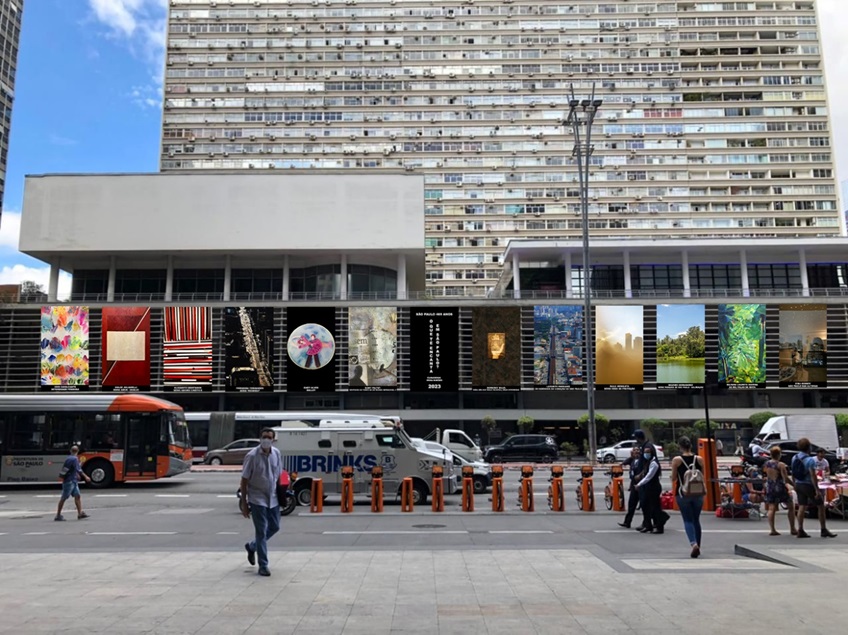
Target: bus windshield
<point>178,430</point>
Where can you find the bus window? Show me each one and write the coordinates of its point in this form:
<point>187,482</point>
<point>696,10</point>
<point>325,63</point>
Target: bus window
<point>65,431</point>
<point>105,432</point>
<point>179,431</point>
<point>28,433</point>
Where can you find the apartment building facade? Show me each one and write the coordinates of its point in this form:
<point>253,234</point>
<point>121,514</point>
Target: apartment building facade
<point>10,35</point>
<point>714,120</point>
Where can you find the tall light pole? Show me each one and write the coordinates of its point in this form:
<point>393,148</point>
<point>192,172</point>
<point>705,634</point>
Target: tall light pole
<point>581,115</point>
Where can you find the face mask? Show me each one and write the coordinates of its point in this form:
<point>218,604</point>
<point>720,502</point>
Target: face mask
<point>265,444</point>
<point>648,455</point>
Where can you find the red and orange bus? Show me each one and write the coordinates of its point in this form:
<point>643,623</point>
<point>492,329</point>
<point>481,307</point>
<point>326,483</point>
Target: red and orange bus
<point>122,437</point>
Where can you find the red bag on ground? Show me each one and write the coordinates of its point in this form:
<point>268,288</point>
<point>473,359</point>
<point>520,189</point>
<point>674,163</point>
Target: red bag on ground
<point>667,500</point>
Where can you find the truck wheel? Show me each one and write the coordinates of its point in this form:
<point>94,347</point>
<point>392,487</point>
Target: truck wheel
<point>304,495</point>
<point>419,493</point>
<point>480,485</point>
<point>101,473</point>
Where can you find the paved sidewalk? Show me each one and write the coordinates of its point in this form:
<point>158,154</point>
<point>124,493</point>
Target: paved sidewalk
<point>550,591</point>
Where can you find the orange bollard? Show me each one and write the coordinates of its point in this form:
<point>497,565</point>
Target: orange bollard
<point>467,488</point>
<point>557,490</point>
<point>617,473</point>
<point>406,502</point>
<point>438,489</point>
<point>316,502</point>
<point>587,489</point>
<point>527,502</point>
<point>347,489</point>
<point>707,452</point>
<point>497,488</point>
<point>377,489</point>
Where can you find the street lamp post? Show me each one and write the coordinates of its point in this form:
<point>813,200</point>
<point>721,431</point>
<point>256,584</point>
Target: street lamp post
<point>581,114</point>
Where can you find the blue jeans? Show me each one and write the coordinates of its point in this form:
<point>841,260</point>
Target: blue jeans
<point>266,522</point>
<point>690,511</point>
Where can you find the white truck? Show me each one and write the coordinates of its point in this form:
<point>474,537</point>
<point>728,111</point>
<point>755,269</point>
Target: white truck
<point>482,471</point>
<point>820,429</point>
<point>321,452</point>
<point>457,442</point>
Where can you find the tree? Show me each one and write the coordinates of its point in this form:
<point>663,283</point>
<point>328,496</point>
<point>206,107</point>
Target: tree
<point>759,418</point>
<point>569,449</point>
<point>525,424</point>
<point>652,426</point>
<point>842,421</point>
<point>30,288</point>
<point>489,424</point>
<point>602,423</point>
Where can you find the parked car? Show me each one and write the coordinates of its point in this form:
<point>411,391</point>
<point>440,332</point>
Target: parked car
<point>232,453</point>
<point>620,451</point>
<point>523,447</point>
<point>789,449</point>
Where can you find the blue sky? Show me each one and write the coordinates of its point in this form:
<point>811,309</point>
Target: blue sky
<point>87,99</point>
<point>674,319</point>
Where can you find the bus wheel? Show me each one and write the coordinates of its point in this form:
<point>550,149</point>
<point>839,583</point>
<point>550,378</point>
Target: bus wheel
<point>101,473</point>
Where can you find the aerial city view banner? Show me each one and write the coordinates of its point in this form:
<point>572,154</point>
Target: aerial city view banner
<point>803,345</point>
<point>187,349</point>
<point>311,349</point>
<point>496,348</point>
<point>680,345</point>
<point>249,348</point>
<point>434,349</point>
<point>372,346</point>
<point>64,348</point>
<point>126,349</point>
<point>742,345</point>
<point>619,345</point>
<point>558,347</point>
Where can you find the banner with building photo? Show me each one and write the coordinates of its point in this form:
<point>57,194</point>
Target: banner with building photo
<point>681,345</point>
<point>619,347</point>
<point>372,348</point>
<point>187,349</point>
<point>64,348</point>
<point>249,348</point>
<point>742,345</point>
<point>311,349</point>
<point>126,349</point>
<point>803,345</point>
<point>558,347</point>
<point>434,349</point>
<point>496,348</point>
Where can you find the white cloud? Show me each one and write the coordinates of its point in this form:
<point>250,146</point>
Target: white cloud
<point>10,230</point>
<point>15,274</point>
<point>147,96</point>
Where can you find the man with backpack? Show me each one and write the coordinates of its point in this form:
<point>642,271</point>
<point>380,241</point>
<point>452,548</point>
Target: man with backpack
<point>807,488</point>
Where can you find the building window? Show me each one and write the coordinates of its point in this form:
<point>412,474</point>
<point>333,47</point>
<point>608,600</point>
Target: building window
<point>715,277</point>
<point>140,281</point>
<point>828,276</point>
<point>649,277</point>
<point>323,279</point>
<point>371,279</point>
<point>774,277</point>
<point>249,281</point>
<point>198,281</point>
<point>89,283</point>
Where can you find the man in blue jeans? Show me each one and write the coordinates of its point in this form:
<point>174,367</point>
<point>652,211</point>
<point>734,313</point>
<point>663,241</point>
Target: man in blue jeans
<point>259,478</point>
<point>70,475</point>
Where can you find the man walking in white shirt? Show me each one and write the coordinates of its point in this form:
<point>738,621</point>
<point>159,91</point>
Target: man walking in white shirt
<point>259,479</point>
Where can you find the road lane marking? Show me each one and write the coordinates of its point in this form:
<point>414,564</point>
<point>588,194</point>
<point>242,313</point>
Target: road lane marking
<point>172,495</point>
<point>47,495</point>
<point>391,533</point>
<point>36,533</point>
<point>521,531</point>
<point>131,533</point>
<point>227,533</point>
<point>110,495</point>
<point>226,496</point>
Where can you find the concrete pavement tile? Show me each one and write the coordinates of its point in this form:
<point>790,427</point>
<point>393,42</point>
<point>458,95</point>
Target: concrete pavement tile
<point>326,624</point>
<point>328,609</point>
<point>463,626</point>
<point>509,626</point>
<point>378,624</point>
<point>459,610</point>
<point>372,609</point>
<point>279,625</point>
<point>415,611</point>
<point>228,625</point>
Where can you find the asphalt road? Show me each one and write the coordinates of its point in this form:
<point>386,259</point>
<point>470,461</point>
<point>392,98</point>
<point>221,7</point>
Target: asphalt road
<point>198,512</point>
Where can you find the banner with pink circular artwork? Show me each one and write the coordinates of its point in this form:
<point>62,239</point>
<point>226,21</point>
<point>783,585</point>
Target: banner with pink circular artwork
<point>64,347</point>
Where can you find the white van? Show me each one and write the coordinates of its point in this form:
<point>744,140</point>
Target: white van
<point>457,442</point>
<point>320,452</point>
<point>820,429</point>
<point>482,471</point>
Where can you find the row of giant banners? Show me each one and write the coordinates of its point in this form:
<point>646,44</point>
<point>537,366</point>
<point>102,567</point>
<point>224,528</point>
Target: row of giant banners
<point>311,355</point>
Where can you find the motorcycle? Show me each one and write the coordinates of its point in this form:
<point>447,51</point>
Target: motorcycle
<point>285,495</point>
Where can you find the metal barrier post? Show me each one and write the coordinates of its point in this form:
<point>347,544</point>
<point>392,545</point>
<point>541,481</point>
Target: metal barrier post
<point>438,488</point>
<point>377,489</point>
<point>617,493</point>
<point>406,502</point>
<point>347,489</point>
<point>587,489</point>
<point>467,488</point>
<point>527,503</point>
<point>557,491</point>
<point>316,503</point>
<point>497,488</point>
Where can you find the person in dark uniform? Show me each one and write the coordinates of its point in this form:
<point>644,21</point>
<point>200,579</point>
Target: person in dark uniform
<point>635,463</point>
<point>650,488</point>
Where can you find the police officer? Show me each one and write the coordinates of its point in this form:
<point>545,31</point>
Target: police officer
<point>635,463</point>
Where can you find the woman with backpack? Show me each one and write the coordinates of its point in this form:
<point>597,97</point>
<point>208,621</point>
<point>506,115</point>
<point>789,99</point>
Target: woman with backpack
<point>688,472</point>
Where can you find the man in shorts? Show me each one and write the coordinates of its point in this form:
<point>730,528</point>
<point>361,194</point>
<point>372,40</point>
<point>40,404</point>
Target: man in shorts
<point>70,475</point>
<point>807,488</point>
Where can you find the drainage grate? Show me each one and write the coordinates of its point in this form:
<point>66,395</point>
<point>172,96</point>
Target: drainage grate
<point>428,526</point>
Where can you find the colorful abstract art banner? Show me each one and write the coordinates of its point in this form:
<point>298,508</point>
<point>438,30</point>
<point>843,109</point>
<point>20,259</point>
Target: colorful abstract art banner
<point>496,348</point>
<point>558,347</point>
<point>803,345</point>
<point>619,347</point>
<point>249,348</point>
<point>187,350</point>
<point>372,346</point>
<point>742,345</point>
<point>126,349</point>
<point>681,345</point>
<point>311,349</point>
<point>64,348</point>
<point>434,349</point>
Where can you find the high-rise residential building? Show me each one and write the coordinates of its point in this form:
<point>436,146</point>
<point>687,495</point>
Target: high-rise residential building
<point>10,36</point>
<point>714,120</point>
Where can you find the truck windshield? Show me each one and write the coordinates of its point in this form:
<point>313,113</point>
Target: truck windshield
<point>405,438</point>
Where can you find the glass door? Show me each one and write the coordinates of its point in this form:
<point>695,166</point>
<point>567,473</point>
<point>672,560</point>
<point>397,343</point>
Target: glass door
<point>142,442</point>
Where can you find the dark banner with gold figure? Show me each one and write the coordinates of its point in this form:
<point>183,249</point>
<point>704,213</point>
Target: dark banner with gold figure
<point>496,348</point>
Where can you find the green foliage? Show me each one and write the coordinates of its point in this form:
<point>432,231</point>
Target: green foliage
<point>690,432</point>
<point>741,343</point>
<point>689,345</point>
<point>489,423</point>
<point>842,421</point>
<point>700,426</point>
<point>759,418</point>
<point>615,435</point>
<point>671,449</point>
<point>568,448</point>
<point>602,423</point>
<point>525,424</point>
